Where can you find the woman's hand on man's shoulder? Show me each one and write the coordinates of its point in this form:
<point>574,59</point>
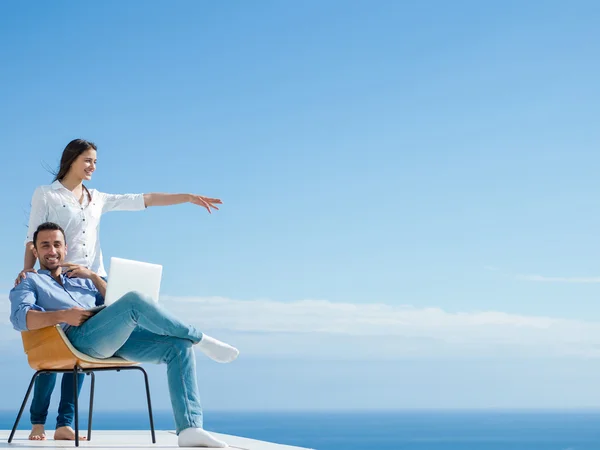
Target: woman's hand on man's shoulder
<point>23,274</point>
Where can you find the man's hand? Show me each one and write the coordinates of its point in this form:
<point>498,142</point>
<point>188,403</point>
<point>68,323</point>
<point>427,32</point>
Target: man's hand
<point>77,271</point>
<point>205,202</point>
<point>22,275</point>
<point>76,316</point>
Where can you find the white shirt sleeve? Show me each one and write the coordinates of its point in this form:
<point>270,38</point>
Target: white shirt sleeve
<point>38,214</point>
<point>122,202</point>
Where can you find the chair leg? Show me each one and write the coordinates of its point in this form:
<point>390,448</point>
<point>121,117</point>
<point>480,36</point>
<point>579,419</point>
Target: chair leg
<point>89,436</point>
<point>14,429</point>
<point>149,404</point>
<point>76,405</point>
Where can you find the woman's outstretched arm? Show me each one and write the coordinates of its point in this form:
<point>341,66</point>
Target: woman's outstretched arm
<point>159,199</point>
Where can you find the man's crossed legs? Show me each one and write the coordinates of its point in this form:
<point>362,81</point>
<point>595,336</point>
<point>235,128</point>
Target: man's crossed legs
<point>137,329</point>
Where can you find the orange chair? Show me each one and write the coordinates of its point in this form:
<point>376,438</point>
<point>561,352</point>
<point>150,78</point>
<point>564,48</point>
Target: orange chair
<point>49,351</point>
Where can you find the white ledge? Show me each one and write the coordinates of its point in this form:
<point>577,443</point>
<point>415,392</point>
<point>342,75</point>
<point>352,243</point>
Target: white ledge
<point>135,439</point>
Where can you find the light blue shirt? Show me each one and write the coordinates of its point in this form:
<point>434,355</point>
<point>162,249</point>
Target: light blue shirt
<point>40,292</point>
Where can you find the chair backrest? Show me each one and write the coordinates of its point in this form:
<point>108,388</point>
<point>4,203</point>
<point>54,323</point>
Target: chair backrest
<point>46,349</point>
<point>49,348</point>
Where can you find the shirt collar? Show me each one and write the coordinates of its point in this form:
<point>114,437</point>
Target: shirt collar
<point>57,185</point>
<point>47,272</point>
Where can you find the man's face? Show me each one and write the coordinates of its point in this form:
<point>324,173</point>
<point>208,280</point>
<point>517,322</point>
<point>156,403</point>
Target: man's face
<point>50,249</point>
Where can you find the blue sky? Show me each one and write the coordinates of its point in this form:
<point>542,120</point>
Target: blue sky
<point>406,186</point>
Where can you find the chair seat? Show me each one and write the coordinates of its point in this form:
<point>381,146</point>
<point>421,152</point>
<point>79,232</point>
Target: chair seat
<point>49,348</point>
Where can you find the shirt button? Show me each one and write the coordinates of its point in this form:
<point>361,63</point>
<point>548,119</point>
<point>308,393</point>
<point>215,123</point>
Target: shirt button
<point>84,245</point>
<point>84,231</point>
<point>84,220</point>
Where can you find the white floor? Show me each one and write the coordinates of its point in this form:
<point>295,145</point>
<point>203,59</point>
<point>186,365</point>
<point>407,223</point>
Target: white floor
<point>106,439</point>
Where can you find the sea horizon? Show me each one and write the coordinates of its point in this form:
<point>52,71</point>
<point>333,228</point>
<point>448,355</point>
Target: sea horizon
<point>390,429</point>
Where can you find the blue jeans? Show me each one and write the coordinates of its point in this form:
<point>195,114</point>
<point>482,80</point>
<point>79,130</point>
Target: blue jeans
<point>137,329</point>
<point>42,392</point>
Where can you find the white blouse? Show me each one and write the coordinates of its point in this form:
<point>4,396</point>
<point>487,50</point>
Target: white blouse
<point>81,222</point>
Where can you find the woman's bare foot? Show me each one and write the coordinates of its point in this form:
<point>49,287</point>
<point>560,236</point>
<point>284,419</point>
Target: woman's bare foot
<point>66,434</point>
<point>37,433</point>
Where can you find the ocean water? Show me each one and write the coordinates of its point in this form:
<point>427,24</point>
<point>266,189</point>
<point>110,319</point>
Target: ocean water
<point>397,430</point>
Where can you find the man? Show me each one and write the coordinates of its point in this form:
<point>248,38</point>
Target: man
<point>134,328</point>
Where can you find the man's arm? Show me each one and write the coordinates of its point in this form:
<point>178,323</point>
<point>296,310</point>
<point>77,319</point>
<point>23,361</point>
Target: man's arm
<point>26,315</point>
<point>39,319</point>
<point>22,300</point>
<point>42,319</point>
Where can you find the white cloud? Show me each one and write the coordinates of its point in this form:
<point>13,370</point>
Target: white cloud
<point>395,330</point>
<point>308,316</point>
<point>323,329</point>
<point>545,279</point>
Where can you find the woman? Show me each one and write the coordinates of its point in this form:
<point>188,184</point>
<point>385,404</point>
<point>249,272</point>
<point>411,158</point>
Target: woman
<point>77,209</point>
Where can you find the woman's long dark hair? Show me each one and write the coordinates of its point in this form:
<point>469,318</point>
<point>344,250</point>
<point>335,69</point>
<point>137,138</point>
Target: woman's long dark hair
<point>71,152</point>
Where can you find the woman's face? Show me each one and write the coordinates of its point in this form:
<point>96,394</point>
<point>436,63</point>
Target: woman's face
<point>84,165</point>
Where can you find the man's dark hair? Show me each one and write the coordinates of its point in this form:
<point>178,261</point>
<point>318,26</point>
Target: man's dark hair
<point>47,226</point>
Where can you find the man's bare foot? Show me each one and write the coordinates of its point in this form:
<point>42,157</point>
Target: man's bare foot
<point>66,434</point>
<point>37,433</point>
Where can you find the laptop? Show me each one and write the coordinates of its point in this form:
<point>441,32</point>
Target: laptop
<point>126,275</point>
